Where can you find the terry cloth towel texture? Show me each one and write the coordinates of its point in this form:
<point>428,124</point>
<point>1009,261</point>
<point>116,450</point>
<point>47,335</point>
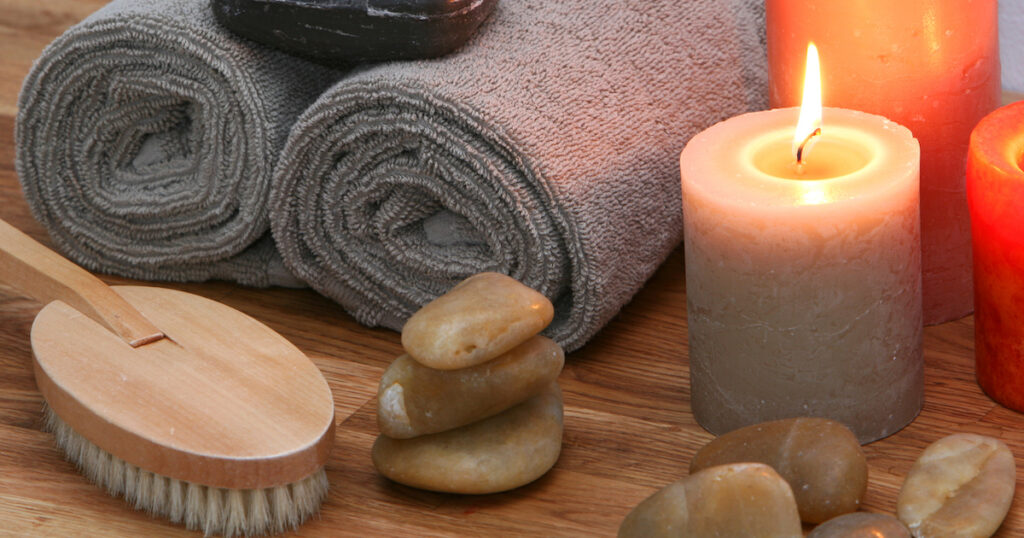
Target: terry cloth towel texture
<point>547,148</point>
<point>146,140</point>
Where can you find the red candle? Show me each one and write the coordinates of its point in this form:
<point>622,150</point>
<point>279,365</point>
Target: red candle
<point>930,65</point>
<point>995,193</point>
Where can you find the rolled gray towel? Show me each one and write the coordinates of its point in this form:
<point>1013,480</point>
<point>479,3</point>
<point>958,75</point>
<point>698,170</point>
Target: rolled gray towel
<point>146,139</point>
<point>547,149</point>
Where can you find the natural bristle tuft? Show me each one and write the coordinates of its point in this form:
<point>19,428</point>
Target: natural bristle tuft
<point>229,512</point>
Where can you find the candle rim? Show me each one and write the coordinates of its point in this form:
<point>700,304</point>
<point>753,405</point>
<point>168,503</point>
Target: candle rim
<point>707,146</point>
<point>751,153</point>
<point>995,170</point>
<point>1004,123</point>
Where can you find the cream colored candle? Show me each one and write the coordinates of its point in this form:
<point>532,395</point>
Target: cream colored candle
<point>803,283</point>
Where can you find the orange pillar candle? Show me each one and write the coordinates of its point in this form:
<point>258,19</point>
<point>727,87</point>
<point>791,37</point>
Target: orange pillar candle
<point>930,65</point>
<point>803,282</point>
<point>995,192</point>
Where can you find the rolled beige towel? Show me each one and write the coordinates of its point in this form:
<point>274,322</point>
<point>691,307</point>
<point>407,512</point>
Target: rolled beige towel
<point>146,137</point>
<point>546,149</point>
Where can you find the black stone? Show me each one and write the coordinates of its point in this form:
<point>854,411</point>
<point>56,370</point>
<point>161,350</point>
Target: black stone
<point>350,31</point>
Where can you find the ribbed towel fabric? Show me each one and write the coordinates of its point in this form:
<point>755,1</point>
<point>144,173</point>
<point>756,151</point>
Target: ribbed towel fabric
<point>546,149</point>
<point>146,139</point>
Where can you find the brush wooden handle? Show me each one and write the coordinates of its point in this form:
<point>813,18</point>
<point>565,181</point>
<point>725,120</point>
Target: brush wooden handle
<point>44,275</point>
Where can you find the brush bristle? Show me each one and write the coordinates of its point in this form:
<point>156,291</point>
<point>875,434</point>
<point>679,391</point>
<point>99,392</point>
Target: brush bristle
<point>229,512</point>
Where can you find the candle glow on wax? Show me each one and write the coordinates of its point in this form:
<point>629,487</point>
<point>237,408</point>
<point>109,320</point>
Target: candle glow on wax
<point>837,154</point>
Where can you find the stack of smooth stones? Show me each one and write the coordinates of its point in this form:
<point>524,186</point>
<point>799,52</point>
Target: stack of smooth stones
<point>474,405</point>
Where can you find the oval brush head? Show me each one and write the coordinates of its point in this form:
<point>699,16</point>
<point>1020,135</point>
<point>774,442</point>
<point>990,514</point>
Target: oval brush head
<point>209,509</point>
<point>223,425</point>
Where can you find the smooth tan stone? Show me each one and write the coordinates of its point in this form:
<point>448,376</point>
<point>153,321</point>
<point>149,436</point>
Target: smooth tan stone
<point>861,525</point>
<point>960,487</point>
<point>503,452</point>
<point>741,500</point>
<point>482,317</point>
<point>820,458</point>
<point>415,400</point>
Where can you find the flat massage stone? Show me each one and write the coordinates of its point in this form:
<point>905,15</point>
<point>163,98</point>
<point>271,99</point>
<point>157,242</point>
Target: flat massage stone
<point>351,31</point>
<point>480,318</point>
<point>734,500</point>
<point>414,400</point>
<point>500,453</point>
<point>960,487</point>
<point>820,458</point>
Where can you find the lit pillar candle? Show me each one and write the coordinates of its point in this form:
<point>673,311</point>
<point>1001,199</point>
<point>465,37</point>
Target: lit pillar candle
<point>803,282</point>
<point>995,191</point>
<point>931,65</point>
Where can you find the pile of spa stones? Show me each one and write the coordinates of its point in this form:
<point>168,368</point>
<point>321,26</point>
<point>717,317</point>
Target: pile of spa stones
<point>474,405</point>
<point>763,480</point>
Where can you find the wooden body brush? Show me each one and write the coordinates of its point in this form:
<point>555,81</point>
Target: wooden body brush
<point>188,408</point>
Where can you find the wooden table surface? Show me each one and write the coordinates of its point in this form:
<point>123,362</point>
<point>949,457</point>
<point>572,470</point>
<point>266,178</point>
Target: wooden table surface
<point>628,426</point>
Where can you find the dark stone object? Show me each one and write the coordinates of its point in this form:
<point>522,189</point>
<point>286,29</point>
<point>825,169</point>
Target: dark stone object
<point>343,32</point>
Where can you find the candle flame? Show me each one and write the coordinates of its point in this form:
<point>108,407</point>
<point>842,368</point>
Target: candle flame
<point>808,127</point>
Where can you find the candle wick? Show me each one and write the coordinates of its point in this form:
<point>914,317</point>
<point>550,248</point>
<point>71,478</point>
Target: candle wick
<point>800,149</point>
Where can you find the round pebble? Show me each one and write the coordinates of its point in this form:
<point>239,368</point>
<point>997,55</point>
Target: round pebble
<point>499,453</point>
<point>414,400</point>
<point>861,525</point>
<point>482,317</point>
<point>820,458</point>
<point>960,487</point>
<point>734,500</point>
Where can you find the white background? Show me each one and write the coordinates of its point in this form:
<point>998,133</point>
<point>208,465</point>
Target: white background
<point>1011,43</point>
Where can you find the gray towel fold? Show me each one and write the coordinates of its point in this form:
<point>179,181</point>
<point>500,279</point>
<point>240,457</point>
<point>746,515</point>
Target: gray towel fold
<point>146,140</point>
<point>546,149</point>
